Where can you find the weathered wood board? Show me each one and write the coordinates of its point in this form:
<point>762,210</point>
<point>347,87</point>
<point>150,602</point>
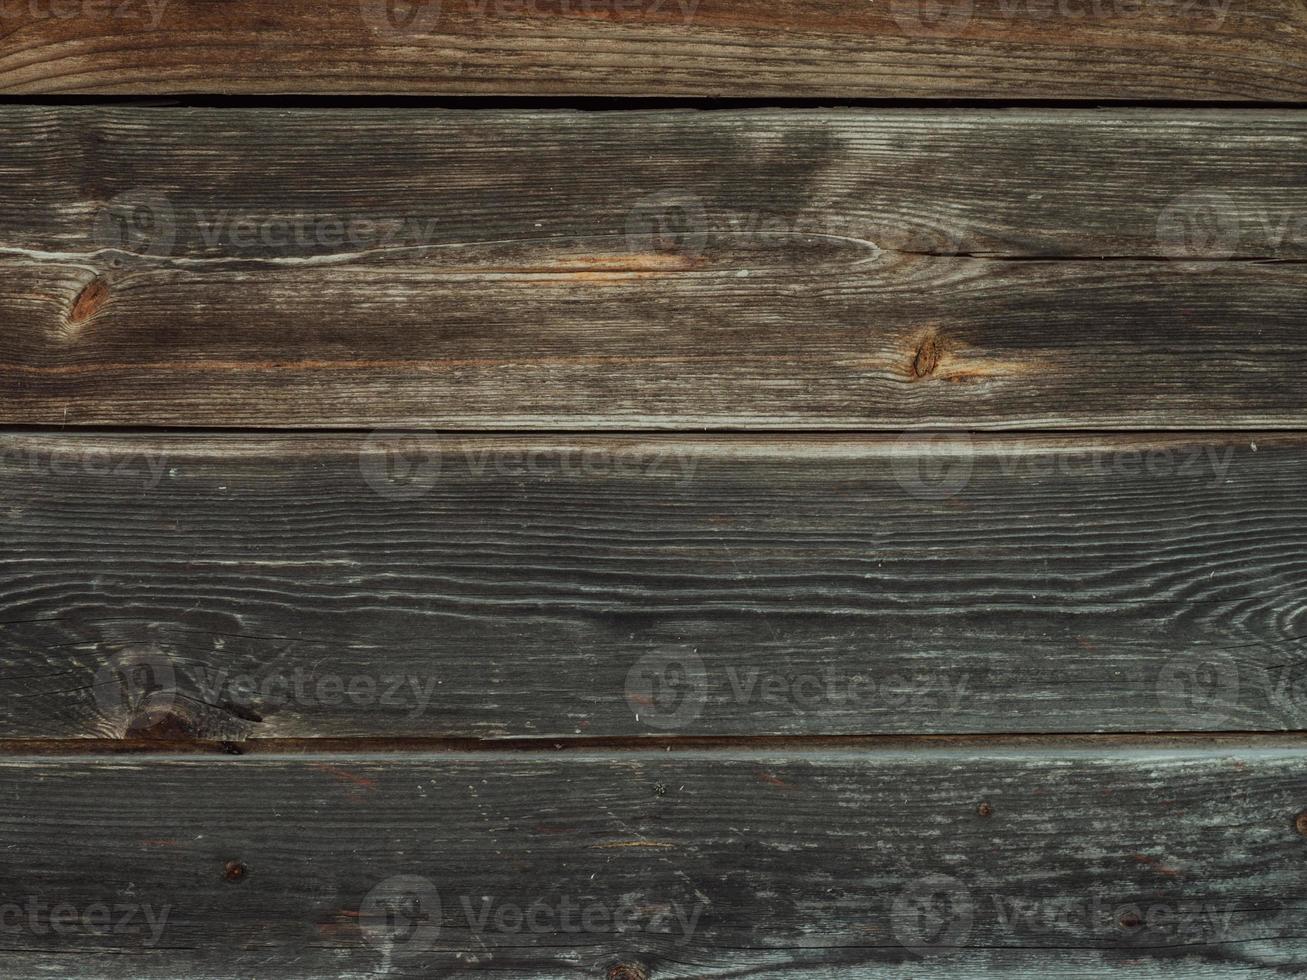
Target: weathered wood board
<point>848,342</point>
<point>980,49</point>
<point>664,270</point>
<point>481,187</point>
<point>1155,862</point>
<point>295,586</point>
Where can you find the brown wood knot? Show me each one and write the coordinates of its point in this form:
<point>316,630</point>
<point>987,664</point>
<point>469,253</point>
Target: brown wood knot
<point>628,971</point>
<point>926,359</point>
<point>89,301</point>
<point>235,871</point>
<point>1300,822</point>
<point>1129,921</point>
<point>985,809</point>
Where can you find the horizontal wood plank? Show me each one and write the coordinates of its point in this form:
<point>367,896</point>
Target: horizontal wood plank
<point>891,342</point>
<point>985,49</point>
<point>660,270</point>
<point>227,587</point>
<point>924,863</point>
<point>1027,183</point>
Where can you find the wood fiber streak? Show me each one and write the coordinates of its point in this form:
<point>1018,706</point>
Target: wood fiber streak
<point>623,587</point>
<point>788,864</point>
<point>981,49</point>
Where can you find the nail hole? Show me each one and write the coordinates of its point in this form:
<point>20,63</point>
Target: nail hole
<point>234,871</point>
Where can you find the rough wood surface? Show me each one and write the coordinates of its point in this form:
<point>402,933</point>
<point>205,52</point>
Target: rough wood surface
<point>985,49</point>
<point>922,863</point>
<point>845,342</point>
<point>659,270</point>
<point>302,586</point>
<point>1022,183</point>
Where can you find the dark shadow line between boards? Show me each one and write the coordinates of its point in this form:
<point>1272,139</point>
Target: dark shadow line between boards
<point>742,433</point>
<point>1047,744</point>
<point>165,100</point>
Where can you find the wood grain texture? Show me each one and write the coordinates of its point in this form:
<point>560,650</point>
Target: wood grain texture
<point>987,49</point>
<point>936,863</point>
<point>850,343</point>
<point>303,586</point>
<point>659,270</point>
<point>550,183</point>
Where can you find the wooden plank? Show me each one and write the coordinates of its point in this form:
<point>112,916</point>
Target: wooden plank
<point>662,270</point>
<point>985,49</point>
<point>918,863</point>
<point>1012,183</point>
<point>888,343</point>
<point>229,587</point>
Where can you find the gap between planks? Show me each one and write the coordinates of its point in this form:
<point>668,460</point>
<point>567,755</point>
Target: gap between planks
<point>1092,745</point>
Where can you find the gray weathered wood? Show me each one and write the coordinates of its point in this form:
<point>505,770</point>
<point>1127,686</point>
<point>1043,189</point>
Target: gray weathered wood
<point>1156,862</point>
<point>660,270</point>
<point>987,49</point>
<point>549,184</point>
<point>618,586</point>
